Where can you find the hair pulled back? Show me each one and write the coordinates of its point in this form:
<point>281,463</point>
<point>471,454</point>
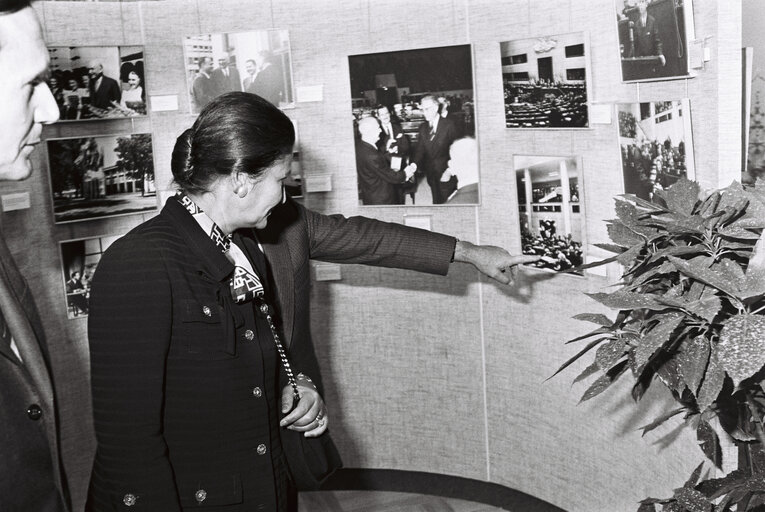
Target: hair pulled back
<point>235,132</point>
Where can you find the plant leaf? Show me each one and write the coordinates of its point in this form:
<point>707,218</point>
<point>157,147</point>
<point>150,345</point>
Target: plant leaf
<point>611,247</point>
<point>577,356</point>
<point>652,341</point>
<point>709,443</point>
<point>738,233</point>
<point>609,354</point>
<point>602,382</point>
<point>594,318</point>
<point>692,359</point>
<point>596,332</point>
<point>694,478</point>
<point>754,281</point>
<point>593,368</point>
<point>692,500</point>
<point>622,235</point>
<point>628,300</point>
<point>698,268</point>
<point>742,346</point>
<point>682,196</point>
<point>658,421</point>
<point>713,383</point>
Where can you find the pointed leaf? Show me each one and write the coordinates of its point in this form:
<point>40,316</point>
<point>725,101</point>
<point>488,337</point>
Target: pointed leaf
<point>593,368</point>
<point>592,264</point>
<point>594,318</point>
<point>754,282</point>
<point>627,300</point>
<point>623,235</point>
<point>692,359</point>
<point>652,207</point>
<point>713,383</point>
<point>611,247</point>
<point>609,354</point>
<point>660,420</point>
<point>682,196</point>
<point>596,332</point>
<point>693,501</point>
<point>698,269</point>
<point>738,233</point>
<point>709,443</point>
<point>577,356</point>
<point>694,478</point>
<point>651,342</point>
<point>742,346</point>
<point>602,383</point>
<point>647,505</point>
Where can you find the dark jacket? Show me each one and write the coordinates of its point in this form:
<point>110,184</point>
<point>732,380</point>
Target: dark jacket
<point>376,178</point>
<point>174,366</point>
<point>103,96</point>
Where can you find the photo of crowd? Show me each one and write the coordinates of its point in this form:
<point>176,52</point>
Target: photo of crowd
<point>79,259</point>
<point>409,108</point>
<point>653,38</point>
<point>545,81</point>
<point>96,177</point>
<point>550,210</point>
<point>656,145</point>
<point>258,62</point>
<point>97,82</point>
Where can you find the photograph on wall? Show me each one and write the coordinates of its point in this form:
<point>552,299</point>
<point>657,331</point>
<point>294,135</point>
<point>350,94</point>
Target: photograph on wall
<point>551,209</point>
<point>545,81</point>
<point>653,38</point>
<point>656,145</point>
<point>753,122</point>
<point>79,259</point>
<point>410,108</point>
<point>293,184</point>
<point>258,62</point>
<point>104,176</point>
<point>97,82</point>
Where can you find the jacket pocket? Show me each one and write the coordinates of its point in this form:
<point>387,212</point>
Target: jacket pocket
<point>213,490</point>
<point>201,331</point>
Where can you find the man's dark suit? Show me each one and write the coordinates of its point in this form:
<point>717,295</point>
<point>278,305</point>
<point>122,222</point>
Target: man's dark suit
<point>647,40</point>
<point>432,157</point>
<point>179,395</point>
<point>108,91</point>
<point>202,91</point>
<point>376,178</point>
<point>268,84</point>
<point>402,143</point>
<point>223,83</point>
<point>30,471</point>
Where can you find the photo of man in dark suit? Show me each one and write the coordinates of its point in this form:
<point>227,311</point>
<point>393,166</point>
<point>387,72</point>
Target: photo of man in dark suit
<point>226,77</point>
<point>203,88</point>
<point>376,177</point>
<point>268,81</point>
<point>394,144</point>
<point>104,91</point>
<point>431,157</point>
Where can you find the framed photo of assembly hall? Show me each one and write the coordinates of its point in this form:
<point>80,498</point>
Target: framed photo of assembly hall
<point>258,61</point>
<point>413,115</point>
<point>102,176</point>
<point>79,259</point>
<point>656,145</point>
<point>551,209</point>
<point>653,38</point>
<point>546,81</point>
<point>98,82</point>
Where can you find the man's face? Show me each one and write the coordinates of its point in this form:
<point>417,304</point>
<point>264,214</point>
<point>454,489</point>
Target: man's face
<point>223,62</point>
<point>249,66</point>
<point>383,115</point>
<point>26,102</point>
<point>207,65</point>
<point>96,70</point>
<point>429,109</point>
<point>643,6</point>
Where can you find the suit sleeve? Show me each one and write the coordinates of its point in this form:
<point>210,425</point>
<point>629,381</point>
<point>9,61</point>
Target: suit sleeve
<point>367,241</point>
<point>129,334</point>
<point>379,165</point>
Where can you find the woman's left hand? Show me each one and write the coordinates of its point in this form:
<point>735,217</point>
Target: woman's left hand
<point>309,415</point>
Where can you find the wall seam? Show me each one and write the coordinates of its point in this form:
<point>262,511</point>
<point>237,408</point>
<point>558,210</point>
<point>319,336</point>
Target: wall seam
<point>483,359</point>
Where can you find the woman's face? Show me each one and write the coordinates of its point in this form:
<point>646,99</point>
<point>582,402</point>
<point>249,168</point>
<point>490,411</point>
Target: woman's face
<point>133,80</point>
<point>266,192</point>
<point>72,84</point>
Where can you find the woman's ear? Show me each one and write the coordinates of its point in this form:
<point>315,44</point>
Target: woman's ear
<point>239,184</point>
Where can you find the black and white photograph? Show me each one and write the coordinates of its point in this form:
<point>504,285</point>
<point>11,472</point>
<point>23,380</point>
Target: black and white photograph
<point>656,145</point>
<point>293,184</point>
<point>753,122</point>
<point>104,176</point>
<point>653,38</point>
<point>545,81</point>
<point>79,259</point>
<point>551,209</point>
<point>409,109</point>
<point>97,82</point>
<point>258,61</point>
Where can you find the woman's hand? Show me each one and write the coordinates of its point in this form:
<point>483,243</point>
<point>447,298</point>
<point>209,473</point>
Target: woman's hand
<point>492,261</point>
<point>310,414</point>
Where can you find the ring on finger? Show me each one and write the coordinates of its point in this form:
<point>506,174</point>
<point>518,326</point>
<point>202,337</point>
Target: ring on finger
<point>321,422</point>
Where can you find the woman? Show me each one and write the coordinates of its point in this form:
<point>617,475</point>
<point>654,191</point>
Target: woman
<point>192,400</point>
<point>131,101</point>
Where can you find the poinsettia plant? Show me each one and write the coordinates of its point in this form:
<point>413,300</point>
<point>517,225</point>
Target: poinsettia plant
<point>691,315</point>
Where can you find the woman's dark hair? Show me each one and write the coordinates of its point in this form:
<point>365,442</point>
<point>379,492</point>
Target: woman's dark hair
<point>235,132</point>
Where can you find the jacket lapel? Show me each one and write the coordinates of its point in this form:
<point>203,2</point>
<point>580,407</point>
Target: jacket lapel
<point>278,258</point>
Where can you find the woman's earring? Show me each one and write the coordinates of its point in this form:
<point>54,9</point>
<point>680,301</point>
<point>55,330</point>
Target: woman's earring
<point>240,190</point>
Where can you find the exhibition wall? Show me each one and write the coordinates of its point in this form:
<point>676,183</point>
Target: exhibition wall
<point>424,373</point>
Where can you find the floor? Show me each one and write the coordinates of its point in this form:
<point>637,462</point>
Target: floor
<point>379,501</point>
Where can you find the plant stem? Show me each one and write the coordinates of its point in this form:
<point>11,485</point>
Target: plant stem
<point>758,426</point>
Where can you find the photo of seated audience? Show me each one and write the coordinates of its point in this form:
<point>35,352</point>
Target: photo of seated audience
<point>97,82</point>
<point>79,259</point>
<point>423,101</point>
<point>545,81</point>
<point>653,43</point>
<point>550,210</point>
<point>656,146</point>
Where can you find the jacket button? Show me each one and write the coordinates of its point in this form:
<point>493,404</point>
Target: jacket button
<point>207,311</point>
<point>264,308</point>
<point>129,500</point>
<point>200,495</point>
<point>257,392</point>
<point>249,335</point>
<point>261,449</point>
<point>34,412</point>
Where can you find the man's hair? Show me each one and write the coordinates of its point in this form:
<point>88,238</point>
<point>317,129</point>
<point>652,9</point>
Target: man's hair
<point>11,6</point>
